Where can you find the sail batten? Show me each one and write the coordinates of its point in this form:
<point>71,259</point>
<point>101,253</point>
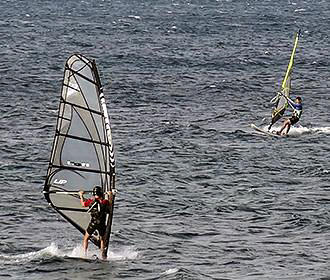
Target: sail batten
<point>81,138</point>
<point>280,101</point>
<point>82,154</point>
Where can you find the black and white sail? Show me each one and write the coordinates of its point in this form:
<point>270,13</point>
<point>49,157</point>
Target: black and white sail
<point>82,154</point>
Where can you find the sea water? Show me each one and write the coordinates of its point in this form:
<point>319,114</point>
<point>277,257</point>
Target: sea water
<point>201,195</point>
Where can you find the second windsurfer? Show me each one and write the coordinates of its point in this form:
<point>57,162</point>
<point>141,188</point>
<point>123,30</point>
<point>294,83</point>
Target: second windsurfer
<point>297,111</point>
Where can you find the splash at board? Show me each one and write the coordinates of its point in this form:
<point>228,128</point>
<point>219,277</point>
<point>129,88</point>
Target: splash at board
<point>122,253</point>
<point>296,131</point>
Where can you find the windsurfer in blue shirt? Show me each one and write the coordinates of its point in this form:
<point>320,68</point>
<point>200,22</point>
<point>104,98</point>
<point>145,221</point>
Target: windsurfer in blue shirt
<point>297,111</point>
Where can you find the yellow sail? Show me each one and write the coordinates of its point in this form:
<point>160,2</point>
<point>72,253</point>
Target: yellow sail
<point>280,101</point>
<point>286,84</point>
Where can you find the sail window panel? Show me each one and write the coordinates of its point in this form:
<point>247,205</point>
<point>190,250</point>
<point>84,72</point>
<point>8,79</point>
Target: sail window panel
<point>81,219</point>
<point>77,60</point>
<point>83,80</point>
<point>72,93</point>
<point>79,91</point>
<point>281,103</point>
<point>89,92</point>
<point>88,72</point>
<point>82,125</point>
<point>71,90</point>
<point>66,201</point>
<point>88,125</point>
<point>78,64</point>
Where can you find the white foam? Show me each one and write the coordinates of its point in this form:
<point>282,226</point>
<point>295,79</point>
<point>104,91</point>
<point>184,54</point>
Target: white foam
<point>117,254</point>
<point>325,130</point>
<point>306,130</point>
<point>300,130</point>
<point>135,17</point>
<point>171,271</point>
<point>124,253</point>
<point>50,250</point>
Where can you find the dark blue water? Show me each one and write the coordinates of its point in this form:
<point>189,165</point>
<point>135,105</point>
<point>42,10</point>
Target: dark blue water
<point>201,195</point>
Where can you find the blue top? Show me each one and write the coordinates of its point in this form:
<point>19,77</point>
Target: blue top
<point>297,108</point>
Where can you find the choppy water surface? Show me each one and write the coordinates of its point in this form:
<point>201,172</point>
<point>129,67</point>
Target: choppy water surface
<point>201,195</point>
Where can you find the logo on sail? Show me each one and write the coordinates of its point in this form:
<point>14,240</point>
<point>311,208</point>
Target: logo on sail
<point>78,164</point>
<point>60,181</point>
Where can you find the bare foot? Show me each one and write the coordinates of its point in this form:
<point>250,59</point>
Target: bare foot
<point>104,255</point>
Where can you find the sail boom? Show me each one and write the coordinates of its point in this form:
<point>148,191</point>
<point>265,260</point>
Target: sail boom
<point>71,209</point>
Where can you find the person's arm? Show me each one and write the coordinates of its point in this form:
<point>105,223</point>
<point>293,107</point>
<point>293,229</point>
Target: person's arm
<point>291,102</point>
<point>110,197</point>
<point>82,200</point>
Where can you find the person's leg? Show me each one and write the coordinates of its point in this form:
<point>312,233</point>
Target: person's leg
<point>102,242</point>
<point>289,126</point>
<point>85,242</point>
<point>293,120</point>
<point>102,232</point>
<point>283,127</point>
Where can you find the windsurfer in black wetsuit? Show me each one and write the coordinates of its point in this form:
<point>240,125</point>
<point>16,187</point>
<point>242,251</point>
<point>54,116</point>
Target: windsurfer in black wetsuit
<point>98,209</point>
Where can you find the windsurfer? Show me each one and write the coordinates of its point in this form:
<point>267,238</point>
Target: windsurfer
<point>98,209</point>
<point>297,111</point>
